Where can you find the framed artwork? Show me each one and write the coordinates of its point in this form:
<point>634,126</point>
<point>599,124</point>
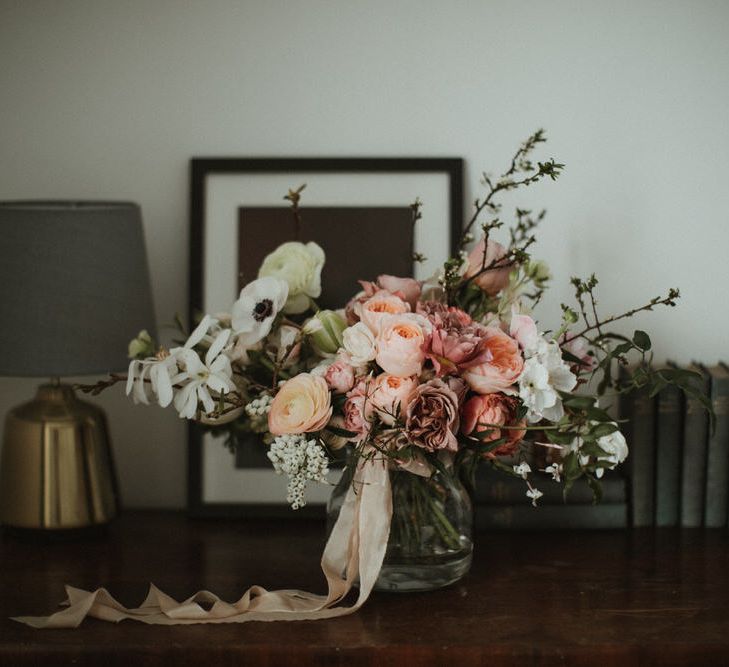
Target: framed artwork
<point>359,211</point>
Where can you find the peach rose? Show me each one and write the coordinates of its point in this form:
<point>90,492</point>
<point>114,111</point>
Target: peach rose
<point>489,413</point>
<point>502,367</point>
<point>379,305</point>
<point>400,344</point>
<point>302,405</point>
<point>391,396</point>
<point>493,280</point>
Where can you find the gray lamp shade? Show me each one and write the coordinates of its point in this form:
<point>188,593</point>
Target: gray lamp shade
<point>74,287</point>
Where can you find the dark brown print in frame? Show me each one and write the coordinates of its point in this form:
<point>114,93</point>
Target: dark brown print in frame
<point>359,243</point>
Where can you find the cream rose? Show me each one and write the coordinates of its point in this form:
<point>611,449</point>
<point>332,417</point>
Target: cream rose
<point>391,396</point>
<point>359,342</point>
<point>400,344</point>
<point>300,266</point>
<point>302,405</point>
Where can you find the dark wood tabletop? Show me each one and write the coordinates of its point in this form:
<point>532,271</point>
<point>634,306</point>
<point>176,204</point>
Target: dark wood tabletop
<point>641,597</point>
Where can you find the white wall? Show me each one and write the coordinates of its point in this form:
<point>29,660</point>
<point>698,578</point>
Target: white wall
<point>112,98</point>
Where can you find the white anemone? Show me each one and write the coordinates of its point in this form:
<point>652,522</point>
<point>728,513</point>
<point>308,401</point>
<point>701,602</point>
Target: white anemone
<point>256,308</point>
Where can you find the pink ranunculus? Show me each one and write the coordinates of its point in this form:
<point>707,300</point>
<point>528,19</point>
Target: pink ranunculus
<point>524,329</point>
<point>431,418</point>
<point>408,289</point>
<point>493,280</point>
<point>391,396</point>
<point>302,405</point>
<point>452,351</point>
<point>379,305</point>
<point>400,342</point>
<point>359,410</point>
<point>492,412</point>
<point>502,369</point>
<point>340,376</point>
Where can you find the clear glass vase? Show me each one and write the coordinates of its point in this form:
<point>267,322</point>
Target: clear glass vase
<point>430,543</point>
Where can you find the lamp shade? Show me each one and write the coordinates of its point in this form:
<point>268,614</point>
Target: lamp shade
<point>74,287</point>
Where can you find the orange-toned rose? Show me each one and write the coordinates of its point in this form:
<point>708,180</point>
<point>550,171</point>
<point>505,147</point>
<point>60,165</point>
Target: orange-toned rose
<point>490,413</point>
<point>483,255</point>
<point>379,305</point>
<point>391,396</point>
<point>400,344</point>
<point>502,368</point>
<point>302,405</point>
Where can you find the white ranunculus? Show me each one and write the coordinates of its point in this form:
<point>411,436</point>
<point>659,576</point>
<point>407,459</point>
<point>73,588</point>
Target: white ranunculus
<point>359,342</point>
<point>300,265</point>
<point>615,446</point>
<point>256,308</point>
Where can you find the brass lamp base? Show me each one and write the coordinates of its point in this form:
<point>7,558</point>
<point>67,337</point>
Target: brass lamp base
<point>56,470</point>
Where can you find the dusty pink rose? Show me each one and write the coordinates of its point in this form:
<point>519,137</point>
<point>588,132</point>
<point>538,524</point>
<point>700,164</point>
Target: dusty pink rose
<point>492,412</point>
<point>359,410</point>
<point>493,280</point>
<point>302,405</point>
<point>453,350</point>
<point>400,342</point>
<point>431,418</point>
<point>408,289</point>
<point>391,396</point>
<point>340,376</point>
<point>441,315</point>
<point>502,367</point>
<point>379,305</point>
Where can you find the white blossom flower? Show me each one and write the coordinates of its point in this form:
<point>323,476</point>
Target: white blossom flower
<point>534,494</point>
<point>299,265</point>
<point>556,470</point>
<point>156,373</point>
<point>617,450</point>
<point>301,460</point>
<point>198,377</point>
<point>522,469</point>
<point>256,308</point>
<point>359,341</point>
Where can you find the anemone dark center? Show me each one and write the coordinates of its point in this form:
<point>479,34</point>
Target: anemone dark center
<point>262,310</point>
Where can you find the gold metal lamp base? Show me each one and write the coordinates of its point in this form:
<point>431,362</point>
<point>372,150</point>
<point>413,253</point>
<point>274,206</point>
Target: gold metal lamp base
<point>56,470</point>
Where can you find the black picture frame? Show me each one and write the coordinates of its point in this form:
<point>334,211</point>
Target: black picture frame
<point>202,169</point>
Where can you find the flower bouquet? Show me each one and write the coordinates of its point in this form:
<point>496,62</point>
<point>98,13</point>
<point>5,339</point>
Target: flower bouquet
<point>418,382</point>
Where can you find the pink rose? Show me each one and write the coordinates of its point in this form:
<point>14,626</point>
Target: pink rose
<point>431,418</point>
<point>302,405</point>
<point>455,350</point>
<point>493,280</point>
<point>489,413</point>
<point>524,329</point>
<point>379,305</point>
<point>391,396</point>
<point>340,376</point>
<point>359,410</point>
<point>400,343</point>
<point>408,289</point>
<point>502,367</point>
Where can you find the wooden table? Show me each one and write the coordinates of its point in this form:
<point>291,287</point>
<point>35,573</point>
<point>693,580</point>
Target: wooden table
<point>646,597</point>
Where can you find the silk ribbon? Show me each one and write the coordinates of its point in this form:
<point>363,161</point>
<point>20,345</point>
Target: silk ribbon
<point>354,551</point>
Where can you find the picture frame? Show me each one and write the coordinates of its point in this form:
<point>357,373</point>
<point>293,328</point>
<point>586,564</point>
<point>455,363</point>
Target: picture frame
<point>220,188</point>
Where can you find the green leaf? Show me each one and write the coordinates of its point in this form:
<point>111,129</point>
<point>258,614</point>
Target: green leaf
<point>642,340</point>
<point>596,488</point>
<point>603,429</point>
<point>342,432</point>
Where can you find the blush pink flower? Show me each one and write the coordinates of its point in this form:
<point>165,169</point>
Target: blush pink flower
<point>359,410</point>
<point>579,348</point>
<point>400,342</point>
<point>483,255</point>
<point>302,405</point>
<point>391,396</point>
<point>340,376</point>
<point>431,418</point>
<point>524,330</point>
<point>492,412</point>
<point>408,289</point>
<point>502,367</point>
<point>379,305</point>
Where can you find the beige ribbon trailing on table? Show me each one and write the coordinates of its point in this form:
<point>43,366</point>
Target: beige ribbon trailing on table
<point>355,549</point>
